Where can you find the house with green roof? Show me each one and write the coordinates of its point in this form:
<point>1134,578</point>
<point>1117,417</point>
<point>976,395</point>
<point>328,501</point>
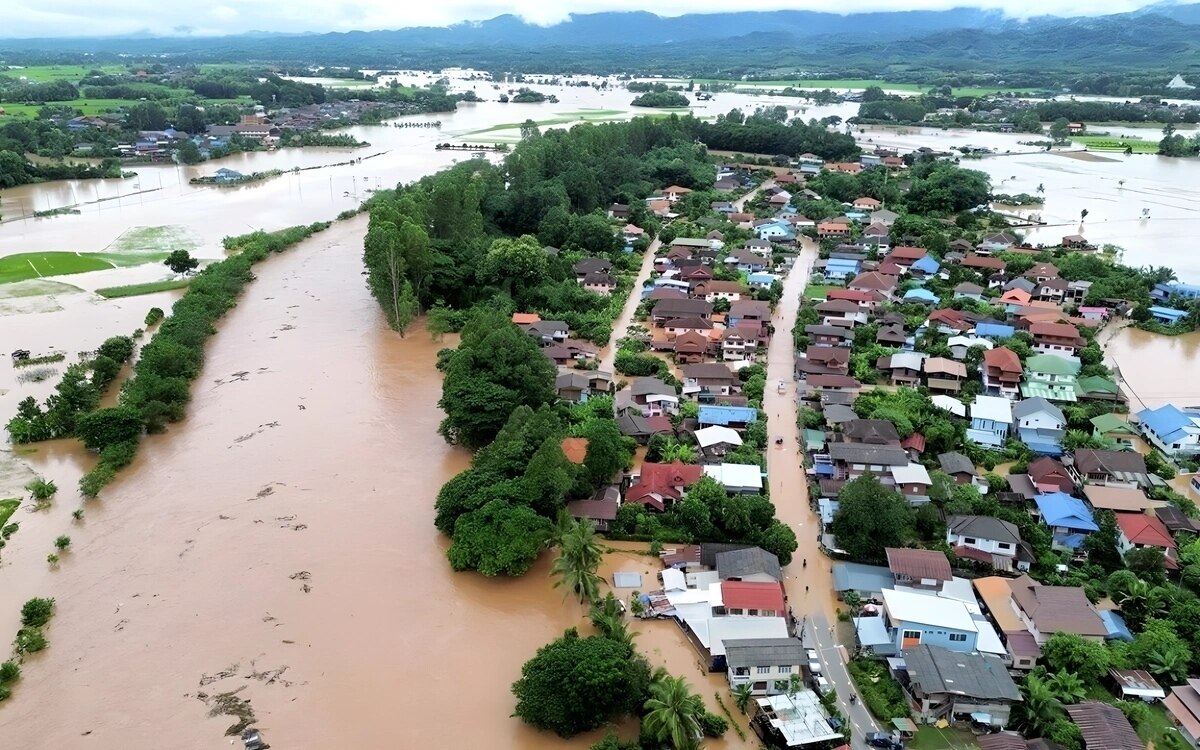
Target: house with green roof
<point>1098,388</point>
<point>1113,429</point>
<point>1051,377</point>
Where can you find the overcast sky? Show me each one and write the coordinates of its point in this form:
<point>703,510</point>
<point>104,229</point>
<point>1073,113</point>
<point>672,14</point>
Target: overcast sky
<point>25,18</point>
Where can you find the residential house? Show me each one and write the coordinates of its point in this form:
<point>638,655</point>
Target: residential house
<point>912,480</point>
<point>944,375</point>
<point>1040,272</point>
<point>1167,315</point>
<point>827,335</point>
<point>591,265</point>
<point>619,211</point>
<point>918,568</point>
<point>833,228</point>
<point>632,424</point>
<point>1040,425</point>
<point>902,368</point>
<point>737,479</point>
<point>1120,500</point>
<point>748,564</point>
<point>674,193</point>
<point>710,378</point>
<point>752,598</point>
<point>1077,292</point>
<point>1051,290</point>
<point>767,664</point>
<point>655,397</point>
<point>997,242</point>
<point>690,346</point>
<point>1103,726</point>
<point>866,300</point>
<point>950,321</point>
<point>839,269</point>
<point>843,310</point>
<point>548,332</point>
<point>991,418</point>
<point>924,267</point>
<point>1139,531</point>
<point>967,290</point>
<point>1174,431</point>
<point>1099,388</point>
<point>913,619</point>
<point>716,441</point>
<point>599,282</point>
<point>884,216</point>
<point>736,417</point>
<point>659,486</point>
<point>739,344</point>
<point>960,468</point>
<point>892,334</point>
<point>1046,610</point>
<point>870,432</point>
<point>1049,475</point>
<point>761,280</point>
<point>746,311</point>
<point>835,384</point>
<point>745,261</point>
<point>578,386</point>
<point>1056,338</point>
<point>961,688</point>
<point>600,509</point>
<point>1111,428</point>
<point>921,295</point>
<point>851,460</point>
<point>867,204</point>
<point>982,263</point>
<point>1069,518</point>
<point>1176,520</point>
<point>715,290</point>
<point>1001,372</point>
<point>823,360</point>
<point>1111,468</point>
<point>961,345</point>
<point>778,231</point>
<point>1051,377</point>
<point>1183,706</point>
<point>986,539</point>
<point>681,326</point>
<point>873,281</point>
<point>904,255</point>
<point>994,331</point>
<point>672,309</point>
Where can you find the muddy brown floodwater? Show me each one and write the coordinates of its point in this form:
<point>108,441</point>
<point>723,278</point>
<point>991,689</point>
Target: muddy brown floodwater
<point>284,533</point>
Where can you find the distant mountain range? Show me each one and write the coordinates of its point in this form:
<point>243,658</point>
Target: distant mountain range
<point>1163,36</point>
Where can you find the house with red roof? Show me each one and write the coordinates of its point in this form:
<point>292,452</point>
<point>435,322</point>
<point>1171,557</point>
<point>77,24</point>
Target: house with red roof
<point>866,204</point>
<point>659,486</point>
<point>1056,338</point>
<point>755,598</point>
<point>867,300</point>
<point>983,263</point>
<point>1139,531</point>
<point>1001,372</point>
<point>950,321</point>
<point>905,256</point>
<point>873,281</point>
<point>833,229</point>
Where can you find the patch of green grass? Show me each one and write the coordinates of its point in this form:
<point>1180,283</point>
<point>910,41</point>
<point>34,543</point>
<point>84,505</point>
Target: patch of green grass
<point>91,107</point>
<point>586,113</point>
<point>7,508</point>
<point>72,73</point>
<point>816,291</point>
<point>1111,143</point>
<point>133,290</point>
<point>150,240</point>
<point>36,288</point>
<point>929,737</point>
<point>25,266</point>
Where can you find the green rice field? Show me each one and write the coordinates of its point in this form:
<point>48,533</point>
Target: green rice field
<point>1111,143</point>
<point>134,290</point>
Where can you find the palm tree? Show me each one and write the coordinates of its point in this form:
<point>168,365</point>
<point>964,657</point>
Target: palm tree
<point>676,450</point>
<point>608,617</point>
<point>1040,708</point>
<point>1169,664</point>
<point>1066,687</point>
<point>578,558</point>
<point>742,695</point>
<point>673,712</point>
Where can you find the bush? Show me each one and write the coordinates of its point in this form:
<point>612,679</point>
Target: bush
<point>62,542</point>
<point>118,455</point>
<point>154,317</point>
<point>882,694</point>
<point>91,483</point>
<point>37,612</point>
<point>713,725</point>
<point>5,693</point>
<point>29,641</point>
<point>9,673</point>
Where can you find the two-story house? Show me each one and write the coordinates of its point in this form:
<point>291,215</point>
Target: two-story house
<point>689,347</point>
<point>1048,475</point>
<point>1051,377</point>
<point>1069,518</point>
<point>1040,425</point>
<point>659,486</point>
<point>958,467</point>
<point>712,291</point>
<point>913,619</point>
<point>1172,430</point>
<point>1139,531</point>
<point>870,432</point>
<point>1001,372</point>
<point>918,568</point>
<point>823,360</point>
<point>944,375</point>
<point>1046,610</point>
<point>851,460</point>
<point>739,343</point>
<point>591,265</point>
<point>749,313</point>
<point>991,418</point>
<point>708,379</point>
<point>767,664</point>
<point>680,326</point>
<point>827,335</point>
<point>736,417</point>
<point>752,598</point>
<point>902,368</point>
<point>548,332</point>
<point>873,281</point>
<point>843,310</point>
<point>673,309</point>
<point>1056,338</point>
<point>1111,468</point>
<point>654,397</point>
<point>998,541</point>
<point>576,386</point>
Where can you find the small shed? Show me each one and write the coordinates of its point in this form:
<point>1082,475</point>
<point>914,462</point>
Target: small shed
<point>1137,683</point>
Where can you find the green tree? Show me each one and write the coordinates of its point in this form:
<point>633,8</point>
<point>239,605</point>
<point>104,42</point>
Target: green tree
<point>1060,130</point>
<point>498,538</point>
<point>36,612</point>
<point>871,517</point>
<point>608,617</point>
<point>1040,709</point>
<point>104,427</point>
<point>673,713</point>
<point>575,684</point>
<point>607,451</point>
<point>394,254</point>
<point>189,153</point>
<point>1066,687</point>
<point>742,695</point>
<point>1070,652</point>
<point>516,264</point>
<point>181,261</point>
<point>578,559</point>
<point>495,369</point>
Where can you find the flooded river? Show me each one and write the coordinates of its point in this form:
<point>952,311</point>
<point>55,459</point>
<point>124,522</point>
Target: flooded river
<point>280,540</point>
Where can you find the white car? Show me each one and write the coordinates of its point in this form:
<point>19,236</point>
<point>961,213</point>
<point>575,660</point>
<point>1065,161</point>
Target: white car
<point>814,662</point>
<point>821,685</point>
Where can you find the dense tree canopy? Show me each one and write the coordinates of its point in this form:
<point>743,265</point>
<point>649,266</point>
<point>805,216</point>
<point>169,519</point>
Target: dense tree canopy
<point>871,517</point>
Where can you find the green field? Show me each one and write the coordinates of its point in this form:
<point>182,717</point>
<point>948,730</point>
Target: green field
<point>72,73</point>
<point>25,266</point>
<point>584,115</point>
<point>134,290</point>
<point>1112,143</point>
<point>91,107</point>
<point>7,508</point>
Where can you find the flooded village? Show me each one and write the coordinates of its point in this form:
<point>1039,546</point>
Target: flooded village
<point>279,542</point>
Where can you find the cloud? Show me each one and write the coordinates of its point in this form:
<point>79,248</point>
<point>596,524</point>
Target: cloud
<point>26,18</point>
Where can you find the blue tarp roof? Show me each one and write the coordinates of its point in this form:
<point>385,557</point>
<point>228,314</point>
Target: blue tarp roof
<point>1061,509</point>
<point>994,330</point>
<point>1167,421</point>
<point>859,577</point>
<point>926,265</point>
<point>922,295</point>
<point>1117,629</point>
<point>723,415</point>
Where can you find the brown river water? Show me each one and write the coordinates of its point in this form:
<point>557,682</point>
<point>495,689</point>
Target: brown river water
<point>310,460</point>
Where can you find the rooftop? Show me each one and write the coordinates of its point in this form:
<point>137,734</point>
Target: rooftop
<point>1061,509</point>
<point>919,564</point>
<point>993,408</point>
<point>939,670</point>
<point>752,652</point>
<point>925,609</point>
<point>1057,608</point>
<point>996,595</point>
<point>1104,727</point>
<point>984,527</point>
<point>746,562</point>
<point>759,595</point>
<point>1124,499</point>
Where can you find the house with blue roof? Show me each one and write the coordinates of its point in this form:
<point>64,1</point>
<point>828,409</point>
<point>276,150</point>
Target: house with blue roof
<point>924,296</point>
<point>926,265</point>
<point>761,280</point>
<point>736,417</point>
<point>1163,292</point>
<point>1069,518</point>
<point>1172,430</point>
<point>775,231</point>
<point>994,331</point>
<point>1167,315</point>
